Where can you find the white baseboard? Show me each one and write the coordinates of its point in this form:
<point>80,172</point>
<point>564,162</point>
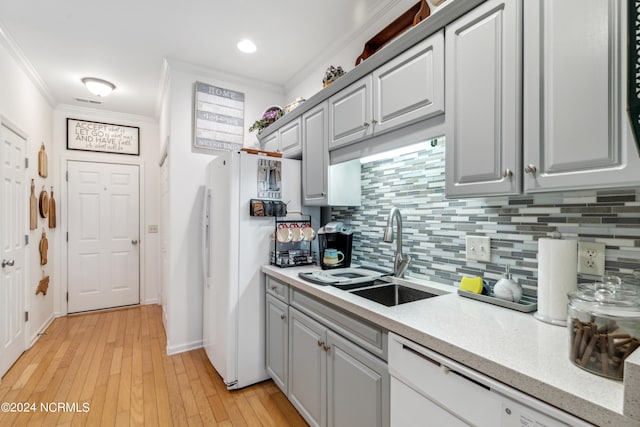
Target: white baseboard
<point>151,301</point>
<point>35,337</point>
<point>171,350</point>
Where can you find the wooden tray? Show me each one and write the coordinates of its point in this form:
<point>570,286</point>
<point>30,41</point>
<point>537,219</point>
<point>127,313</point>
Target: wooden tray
<point>263,153</point>
<point>411,17</point>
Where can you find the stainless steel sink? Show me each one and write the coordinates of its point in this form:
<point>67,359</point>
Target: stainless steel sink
<point>392,294</point>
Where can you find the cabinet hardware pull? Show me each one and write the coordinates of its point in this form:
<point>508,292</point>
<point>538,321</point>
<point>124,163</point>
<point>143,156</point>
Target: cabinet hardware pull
<point>530,169</point>
<point>320,343</point>
<point>366,124</point>
<point>326,348</point>
<point>274,288</point>
<point>283,316</point>
<point>507,173</point>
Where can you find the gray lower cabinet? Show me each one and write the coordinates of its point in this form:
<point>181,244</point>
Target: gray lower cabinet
<point>277,345</point>
<point>308,368</point>
<point>323,359</point>
<point>357,385</point>
<point>332,381</point>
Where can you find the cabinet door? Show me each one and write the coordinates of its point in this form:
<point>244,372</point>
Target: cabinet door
<point>277,342</point>
<point>315,156</point>
<point>307,368</point>
<point>291,139</point>
<point>271,142</point>
<point>410,87</point>
<point>576,132</point>
<point>357,386</point>
<point>350,114</point>
<point>483,97</point>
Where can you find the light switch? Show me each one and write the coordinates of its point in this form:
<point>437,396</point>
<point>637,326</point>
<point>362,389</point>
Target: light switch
<point>478,248</point>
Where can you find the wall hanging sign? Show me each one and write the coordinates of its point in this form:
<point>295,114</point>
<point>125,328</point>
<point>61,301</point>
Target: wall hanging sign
<point>103,137</point>
<point>219,118</point>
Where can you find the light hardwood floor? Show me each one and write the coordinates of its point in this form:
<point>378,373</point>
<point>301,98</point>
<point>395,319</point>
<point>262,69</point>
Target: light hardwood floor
<point>116,363</point>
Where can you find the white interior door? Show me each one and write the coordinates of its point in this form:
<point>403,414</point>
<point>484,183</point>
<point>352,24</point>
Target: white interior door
<point>12,224</point>
<point>103,225</point>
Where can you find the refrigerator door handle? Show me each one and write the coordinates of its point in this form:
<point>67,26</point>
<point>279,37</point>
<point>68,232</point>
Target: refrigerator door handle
<point>205,235</point>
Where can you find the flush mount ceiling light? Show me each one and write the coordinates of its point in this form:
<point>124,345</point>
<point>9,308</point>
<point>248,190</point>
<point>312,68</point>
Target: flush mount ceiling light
<point>98,87</point>
<point>246,46</point>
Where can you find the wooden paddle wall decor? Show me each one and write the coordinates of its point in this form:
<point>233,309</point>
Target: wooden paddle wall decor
<point>52,210</point>
<point>43,162</point>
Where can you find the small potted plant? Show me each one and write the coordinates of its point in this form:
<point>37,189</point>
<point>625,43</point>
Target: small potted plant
<point>270,115</point>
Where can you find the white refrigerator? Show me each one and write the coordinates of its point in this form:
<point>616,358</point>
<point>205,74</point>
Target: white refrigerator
<point>235,246</point>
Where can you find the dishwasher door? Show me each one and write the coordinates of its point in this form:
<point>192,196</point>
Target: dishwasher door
<point>433,390</point>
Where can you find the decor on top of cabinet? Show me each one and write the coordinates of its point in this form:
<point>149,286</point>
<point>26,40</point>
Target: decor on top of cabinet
<point>331,74</point>
<point>416,14</point>
<point>52,210</point>
<point>43,284</point>
<point>43,164</point>
<point>33,208</point>
<point>293,104</point>
<point>269,116</point>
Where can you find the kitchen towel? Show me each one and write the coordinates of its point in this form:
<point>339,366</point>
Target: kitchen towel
<point>557,275</point>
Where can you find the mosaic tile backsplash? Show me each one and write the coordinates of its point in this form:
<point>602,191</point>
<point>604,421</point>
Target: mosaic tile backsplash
<point>434,228</point>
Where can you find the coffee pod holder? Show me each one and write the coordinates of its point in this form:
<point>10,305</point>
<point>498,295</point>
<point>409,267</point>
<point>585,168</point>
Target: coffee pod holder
<point>289,250</point>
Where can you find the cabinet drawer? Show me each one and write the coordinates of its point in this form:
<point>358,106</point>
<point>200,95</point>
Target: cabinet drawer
<point>366,335</point>
<point>277,289</point>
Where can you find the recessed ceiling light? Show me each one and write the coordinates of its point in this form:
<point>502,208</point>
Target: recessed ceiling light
<point>246,46</point>
<point>98,87</point>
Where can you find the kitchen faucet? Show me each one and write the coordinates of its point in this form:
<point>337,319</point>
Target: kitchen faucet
<point>401,261</point>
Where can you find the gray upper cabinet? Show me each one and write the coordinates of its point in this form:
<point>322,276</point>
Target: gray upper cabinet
<point>350,113</point>
<point>483,97</point>
<point>576,130</point>
<point>315,156</point>
<point>291,139</point>
<point>407,89</point>
<point>271,142</point>
<point>410,87</point>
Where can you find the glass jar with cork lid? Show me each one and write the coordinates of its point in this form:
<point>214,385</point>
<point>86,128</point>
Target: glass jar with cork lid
<point>604,326</point>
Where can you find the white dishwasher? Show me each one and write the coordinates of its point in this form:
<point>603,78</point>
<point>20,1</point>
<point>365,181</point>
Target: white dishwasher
<point>428,389</point>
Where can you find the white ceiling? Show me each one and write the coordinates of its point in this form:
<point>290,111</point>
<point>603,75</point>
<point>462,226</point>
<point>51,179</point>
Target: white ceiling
<point>125,41</point>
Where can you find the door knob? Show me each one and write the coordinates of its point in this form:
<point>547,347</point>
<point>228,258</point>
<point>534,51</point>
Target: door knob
<point>134,242</point>
<point>8,262</point>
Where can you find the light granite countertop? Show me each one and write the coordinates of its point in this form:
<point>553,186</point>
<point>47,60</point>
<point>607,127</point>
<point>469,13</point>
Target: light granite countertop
<point>512,347</point>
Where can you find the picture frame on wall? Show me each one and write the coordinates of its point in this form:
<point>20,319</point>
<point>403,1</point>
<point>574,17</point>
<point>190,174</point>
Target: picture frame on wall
<point>86,135</point>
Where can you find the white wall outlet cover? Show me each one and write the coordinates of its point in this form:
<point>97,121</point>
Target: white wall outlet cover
<point>591,258</point>
<point>478,248</point>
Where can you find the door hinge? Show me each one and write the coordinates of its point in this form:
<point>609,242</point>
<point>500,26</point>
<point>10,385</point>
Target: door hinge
<point>26,163</point>
<point>26,316</point>
<point>67,296</point>
<point>67,236</point>
<point>66,176</point>
<point>26,239</point>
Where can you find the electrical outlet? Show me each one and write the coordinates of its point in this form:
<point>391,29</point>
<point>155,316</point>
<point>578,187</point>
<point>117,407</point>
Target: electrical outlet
<point>478,248</point>
<point>591,258</point>
<point>152,228</point>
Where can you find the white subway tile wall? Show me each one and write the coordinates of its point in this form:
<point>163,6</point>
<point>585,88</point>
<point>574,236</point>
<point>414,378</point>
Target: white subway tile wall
<point>435,227</point>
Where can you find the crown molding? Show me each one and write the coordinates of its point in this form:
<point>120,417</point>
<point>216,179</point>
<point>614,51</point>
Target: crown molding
<point>14,50</point>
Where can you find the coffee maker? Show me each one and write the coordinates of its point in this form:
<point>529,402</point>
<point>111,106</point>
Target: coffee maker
<point>334,241</point>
